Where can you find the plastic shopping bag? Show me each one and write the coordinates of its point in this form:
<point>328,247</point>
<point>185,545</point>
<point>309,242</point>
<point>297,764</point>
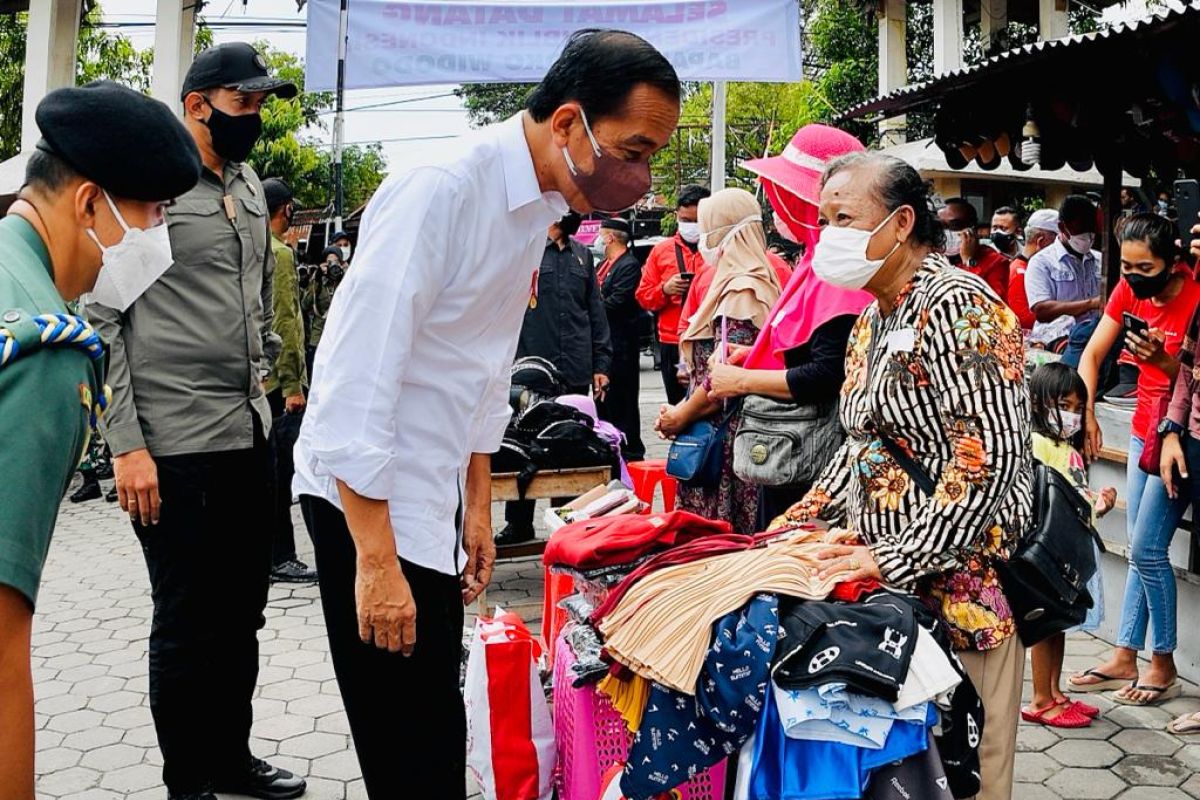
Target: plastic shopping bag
<point>510,736</point>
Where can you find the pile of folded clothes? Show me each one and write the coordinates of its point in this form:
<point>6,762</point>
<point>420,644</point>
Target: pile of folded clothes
<point>715,646</point>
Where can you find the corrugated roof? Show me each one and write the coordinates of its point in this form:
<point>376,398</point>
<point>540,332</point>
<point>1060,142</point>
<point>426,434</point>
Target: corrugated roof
<point>910,97</point>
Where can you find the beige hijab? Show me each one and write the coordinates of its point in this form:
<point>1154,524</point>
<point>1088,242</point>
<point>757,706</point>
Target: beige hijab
<point>745,286</point>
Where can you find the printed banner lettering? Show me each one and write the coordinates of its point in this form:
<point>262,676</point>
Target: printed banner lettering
<point>404,44</point>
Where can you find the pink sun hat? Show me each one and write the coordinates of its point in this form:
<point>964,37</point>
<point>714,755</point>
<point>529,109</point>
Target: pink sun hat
<point>800,166</point>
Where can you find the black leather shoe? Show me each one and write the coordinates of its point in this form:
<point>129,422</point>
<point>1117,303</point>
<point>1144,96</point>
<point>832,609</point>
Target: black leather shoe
<point>512,534</point>
<point>260,779</point>
<point>293,571</point>
<point>89,491</point>
<point>112,495</point>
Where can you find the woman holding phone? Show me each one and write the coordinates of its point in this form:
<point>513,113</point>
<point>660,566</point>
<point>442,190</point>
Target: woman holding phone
<point>1152,304</point>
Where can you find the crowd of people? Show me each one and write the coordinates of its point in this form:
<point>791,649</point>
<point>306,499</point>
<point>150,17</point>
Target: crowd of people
<point>881,387</point>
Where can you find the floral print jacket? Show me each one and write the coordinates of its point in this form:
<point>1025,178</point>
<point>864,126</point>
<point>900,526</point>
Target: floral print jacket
<point>943,375</point>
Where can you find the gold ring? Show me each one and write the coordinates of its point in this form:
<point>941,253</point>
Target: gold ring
<point>854,564</point>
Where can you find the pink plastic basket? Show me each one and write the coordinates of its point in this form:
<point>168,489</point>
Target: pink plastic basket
<point>590,737</point>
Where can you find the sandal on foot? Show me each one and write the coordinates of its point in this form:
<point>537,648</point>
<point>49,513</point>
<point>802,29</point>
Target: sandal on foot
<point>1105,684</point>
<point>1083,708</point>
<point>1161,694</point>
<point>1070,717</point>
<point>1187,724</point>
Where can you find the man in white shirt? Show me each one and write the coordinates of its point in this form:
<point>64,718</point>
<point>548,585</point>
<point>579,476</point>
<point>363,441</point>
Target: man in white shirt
<point>410,390</point>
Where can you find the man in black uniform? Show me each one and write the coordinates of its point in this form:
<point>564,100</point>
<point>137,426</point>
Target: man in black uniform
<point>619,276</point>
<point>566,325</point>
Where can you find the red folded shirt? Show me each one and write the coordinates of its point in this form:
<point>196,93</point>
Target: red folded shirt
<point>612,541</point>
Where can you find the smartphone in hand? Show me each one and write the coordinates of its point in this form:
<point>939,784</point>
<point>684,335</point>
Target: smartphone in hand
<point>1135,324</point>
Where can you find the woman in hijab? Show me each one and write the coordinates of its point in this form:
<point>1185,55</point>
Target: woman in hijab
<point>800,356</point>
<point>733,311</point>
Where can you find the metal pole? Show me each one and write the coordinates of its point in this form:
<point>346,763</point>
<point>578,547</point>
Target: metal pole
<point>718,136</point>
<point>339,119</point>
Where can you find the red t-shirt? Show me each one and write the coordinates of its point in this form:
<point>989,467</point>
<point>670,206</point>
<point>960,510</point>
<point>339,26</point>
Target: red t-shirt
<point>993,268</point>
<point>1018,301</point>
<point>1172,319</point>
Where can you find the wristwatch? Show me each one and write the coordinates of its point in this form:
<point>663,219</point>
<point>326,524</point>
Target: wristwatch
<point>1167,426</point>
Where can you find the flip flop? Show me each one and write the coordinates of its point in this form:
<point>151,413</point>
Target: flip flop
<point>1106,683</point>
<point>1070,717</point>
<point>1161,694</point>
<point>1182,726</point>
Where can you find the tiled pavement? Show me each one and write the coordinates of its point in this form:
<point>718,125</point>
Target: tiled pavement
<point>96,740</point>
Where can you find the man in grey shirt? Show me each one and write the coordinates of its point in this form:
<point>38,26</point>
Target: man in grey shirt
<point>188,427</point>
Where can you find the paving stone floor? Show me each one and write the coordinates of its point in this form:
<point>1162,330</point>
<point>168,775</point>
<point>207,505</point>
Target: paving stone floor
<point>96,739</point>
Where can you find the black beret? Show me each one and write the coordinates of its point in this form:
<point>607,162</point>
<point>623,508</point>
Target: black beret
<point>277,193</point>
<point>617,224</point>
<point>128,143</point>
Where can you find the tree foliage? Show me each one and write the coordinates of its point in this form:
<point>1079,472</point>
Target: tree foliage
<point>283,151</point>
<point>488,103</point>
<point>843,39</point>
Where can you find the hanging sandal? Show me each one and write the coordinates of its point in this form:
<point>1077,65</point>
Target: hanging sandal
<point>1083,708</point>
<point>1161,694</point>
<point>1185,725</point>
<point>1105,684</point>
<point>1070,717</point>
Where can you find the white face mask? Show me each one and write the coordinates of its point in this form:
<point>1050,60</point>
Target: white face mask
<point>131,265</point>
<point>1082,243</point>
<point>689,232</point>
<point>1070,424</point>
<point>345,252</point>
<point>954,240</point>
<point>712,255</point>
<point>840,257</point>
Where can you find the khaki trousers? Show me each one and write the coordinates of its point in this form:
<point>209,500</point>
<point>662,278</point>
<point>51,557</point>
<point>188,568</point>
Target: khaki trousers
<point>997,675</point>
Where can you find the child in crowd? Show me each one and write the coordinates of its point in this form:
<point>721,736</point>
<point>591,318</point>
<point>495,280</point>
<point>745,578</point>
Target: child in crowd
<point>1058,397</point>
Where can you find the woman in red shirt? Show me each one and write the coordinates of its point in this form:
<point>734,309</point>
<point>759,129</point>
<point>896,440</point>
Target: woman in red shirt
<point>1161,292</point>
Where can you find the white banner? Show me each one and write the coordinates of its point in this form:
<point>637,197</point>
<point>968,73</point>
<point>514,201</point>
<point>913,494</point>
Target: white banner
<point>402,44</point>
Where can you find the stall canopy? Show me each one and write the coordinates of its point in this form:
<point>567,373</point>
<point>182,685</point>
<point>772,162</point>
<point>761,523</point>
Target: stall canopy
<point>396,44</point>
<point>1124,98</point>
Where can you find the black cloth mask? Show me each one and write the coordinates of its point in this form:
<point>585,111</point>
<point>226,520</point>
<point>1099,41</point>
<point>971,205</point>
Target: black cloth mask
<point>1147,286</point>
<point>233,137</point>
<point>1003,240</point>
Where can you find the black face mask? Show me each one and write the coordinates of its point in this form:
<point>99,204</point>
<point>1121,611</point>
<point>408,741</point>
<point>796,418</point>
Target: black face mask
<point>233,137</point>
<point>1002,240</point>
<point>1147,286</point>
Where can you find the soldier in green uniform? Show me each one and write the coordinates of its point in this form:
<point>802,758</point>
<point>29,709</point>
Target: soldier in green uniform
<point>286,384</point>
<point>86,219</point>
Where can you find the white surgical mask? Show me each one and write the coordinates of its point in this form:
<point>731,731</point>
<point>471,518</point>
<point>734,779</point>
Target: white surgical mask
<point>954,240</point>
<point>130,266</point>
<point>712,255</point>
<point>1082,244</point>
<point>1066,423</point>
<point>840,257</point>
<point>345,252</point>
<point>690,231</point>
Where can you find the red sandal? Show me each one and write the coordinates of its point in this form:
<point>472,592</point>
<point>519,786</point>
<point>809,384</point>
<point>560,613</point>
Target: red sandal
<point>1069,717</point>
<point>1083,708</point>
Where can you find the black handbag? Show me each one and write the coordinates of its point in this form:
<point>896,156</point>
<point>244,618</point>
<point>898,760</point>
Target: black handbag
<point>1045,578</point>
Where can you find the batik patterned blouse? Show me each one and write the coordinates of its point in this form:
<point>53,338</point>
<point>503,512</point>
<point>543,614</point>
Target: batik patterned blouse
<point>943,375</point>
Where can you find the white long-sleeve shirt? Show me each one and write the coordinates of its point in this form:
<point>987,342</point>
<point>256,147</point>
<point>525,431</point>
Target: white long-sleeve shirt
<point>412,373</point>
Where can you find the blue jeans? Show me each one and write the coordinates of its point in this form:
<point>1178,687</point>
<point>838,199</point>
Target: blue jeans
<point>1152,519</point>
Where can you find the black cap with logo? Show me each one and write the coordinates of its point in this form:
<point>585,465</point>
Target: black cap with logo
<point>234,65</point>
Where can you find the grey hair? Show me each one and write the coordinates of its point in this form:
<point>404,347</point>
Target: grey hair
<point>896,184</point>
<point>621,236</point>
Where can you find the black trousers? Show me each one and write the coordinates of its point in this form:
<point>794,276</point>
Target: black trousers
<point>209,560</point>
<point>620,404</point>
<point>676,391</point>
<point>285,429</point>
<point>406,713</point>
